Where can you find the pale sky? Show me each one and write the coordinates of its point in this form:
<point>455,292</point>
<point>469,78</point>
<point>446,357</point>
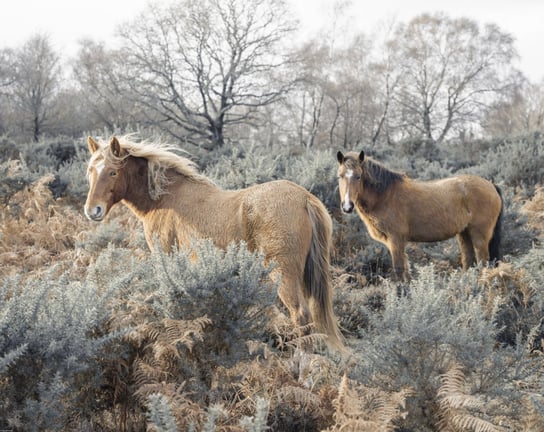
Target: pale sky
<point>67,21</point>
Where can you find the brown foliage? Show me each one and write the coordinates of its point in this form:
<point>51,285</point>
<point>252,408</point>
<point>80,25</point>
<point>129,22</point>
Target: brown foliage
<point>534,209</point>
<point>36,231</point>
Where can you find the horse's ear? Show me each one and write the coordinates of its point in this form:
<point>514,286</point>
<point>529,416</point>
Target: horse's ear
<point>361,156</point>
<point>340,157</point>
<point>115,147</point>
<point>92,144</point>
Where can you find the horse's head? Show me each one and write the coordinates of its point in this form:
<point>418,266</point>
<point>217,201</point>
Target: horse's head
<point>350,171</point>
<point>106,185</point>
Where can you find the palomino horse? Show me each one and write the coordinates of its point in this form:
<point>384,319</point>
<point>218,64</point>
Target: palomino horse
<point>177,204</point>
<point>397,209</point>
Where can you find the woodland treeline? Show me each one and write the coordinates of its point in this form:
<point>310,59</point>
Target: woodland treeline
<point>97,333</point>
<point>206,72</point>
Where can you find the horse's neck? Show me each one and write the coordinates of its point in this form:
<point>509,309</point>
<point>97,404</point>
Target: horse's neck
<point>183,192</point>
<point>367,201</point>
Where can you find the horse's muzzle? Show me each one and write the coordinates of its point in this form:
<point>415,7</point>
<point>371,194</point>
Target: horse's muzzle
<point>96,213</point>
<point>347,207</point>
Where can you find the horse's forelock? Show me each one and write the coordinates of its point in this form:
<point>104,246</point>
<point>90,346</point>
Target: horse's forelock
<point>351,162</point>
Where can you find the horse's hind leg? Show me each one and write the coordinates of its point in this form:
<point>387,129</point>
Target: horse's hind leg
<point>292,296</point>
<point>467,249</point>
<point>481,245</point>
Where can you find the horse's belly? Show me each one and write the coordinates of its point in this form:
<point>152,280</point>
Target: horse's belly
<point>427,237</point>
<point>439,228</point>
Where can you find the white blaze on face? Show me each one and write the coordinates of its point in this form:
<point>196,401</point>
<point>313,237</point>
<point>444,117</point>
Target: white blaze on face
<point>349,175</point>
<point>99,167</point>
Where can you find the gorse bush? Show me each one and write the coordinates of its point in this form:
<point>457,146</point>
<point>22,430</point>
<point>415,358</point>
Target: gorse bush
<point>441,322</point>
<point>515,162</point>
<point>190,312</point>
<point>248,166</point>
<point>49,338</point>
<point>232,289</point>
<point>316,171</point>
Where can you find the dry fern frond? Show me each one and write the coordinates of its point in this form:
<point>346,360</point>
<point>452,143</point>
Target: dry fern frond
<point>533,419</point>
<point>534,209</point>
<point>504,281</point>
<point>358,407</point>
<point>462,422</point>
<point>36,230</point>
<point>185,411</point>
<point>297,396</point>
<point>185,332</point>
<point>454,405</point>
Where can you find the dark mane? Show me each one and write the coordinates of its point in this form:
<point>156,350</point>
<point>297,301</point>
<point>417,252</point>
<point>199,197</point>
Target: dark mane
<point>375,176</point>
<point>378,177</point>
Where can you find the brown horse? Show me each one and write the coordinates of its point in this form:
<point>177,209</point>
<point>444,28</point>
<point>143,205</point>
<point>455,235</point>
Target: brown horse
<point>177,204</point>
<point>397,209</point>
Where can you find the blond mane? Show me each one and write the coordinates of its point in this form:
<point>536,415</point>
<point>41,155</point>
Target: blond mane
<point>160,159</point>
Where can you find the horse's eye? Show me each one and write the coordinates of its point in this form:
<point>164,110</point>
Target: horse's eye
<point>113,173</point>
<point>358,177</point>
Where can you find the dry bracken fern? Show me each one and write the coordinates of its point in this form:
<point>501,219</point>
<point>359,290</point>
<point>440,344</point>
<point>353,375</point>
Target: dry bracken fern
<point>455,406</point>
<point>362,408</point>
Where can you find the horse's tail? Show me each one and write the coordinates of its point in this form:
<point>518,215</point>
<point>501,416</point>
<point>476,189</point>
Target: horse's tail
<point>494,243</point>
<point>317,279</point>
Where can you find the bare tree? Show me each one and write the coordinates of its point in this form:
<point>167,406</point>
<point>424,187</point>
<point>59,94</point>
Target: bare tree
<point>96,69</point>
<point>36,82</point>
<point>7,78</point>
<point>7,75</point>
<point>518,114</point>
<point>451,70</point>
<point>199,66</point>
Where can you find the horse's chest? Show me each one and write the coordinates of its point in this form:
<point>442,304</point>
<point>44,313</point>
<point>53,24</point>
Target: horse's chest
<point>376,228</point>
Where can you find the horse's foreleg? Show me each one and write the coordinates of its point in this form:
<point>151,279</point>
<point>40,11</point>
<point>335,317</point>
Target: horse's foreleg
<point>401,268</point>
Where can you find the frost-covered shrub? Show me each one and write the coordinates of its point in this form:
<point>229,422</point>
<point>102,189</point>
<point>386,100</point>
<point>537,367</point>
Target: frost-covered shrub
<point>249,165</point>
<point>231,288</point>
<point>515,162</point>
<point>316,171</point>
<point>417,337</point>
<point>49,338</point>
